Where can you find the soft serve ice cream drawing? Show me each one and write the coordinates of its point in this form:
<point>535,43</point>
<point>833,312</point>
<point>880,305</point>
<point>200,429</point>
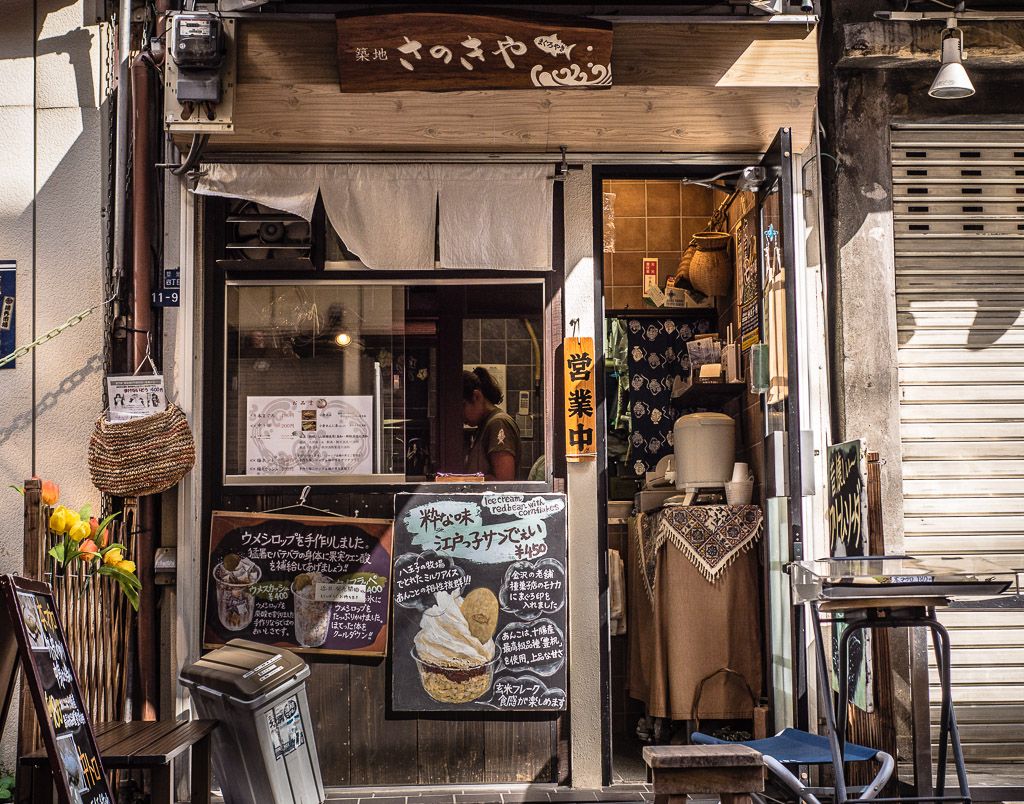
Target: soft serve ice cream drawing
<point>454,648</point>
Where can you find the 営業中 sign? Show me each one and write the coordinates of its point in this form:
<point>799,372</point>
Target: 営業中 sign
<point>291,435</point>
<point>579,401</point>
<point>29,626</point>
<point>479,602</point>
<point>307,583</point>
<point>439,52</point>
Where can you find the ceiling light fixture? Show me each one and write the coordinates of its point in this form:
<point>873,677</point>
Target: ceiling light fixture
<point>343,339</point>
<point>952,80</point>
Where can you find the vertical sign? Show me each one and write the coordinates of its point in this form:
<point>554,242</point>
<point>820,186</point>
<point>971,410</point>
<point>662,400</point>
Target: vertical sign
<point>29,619</point>
<point>479,603</point>
<point>650,274</point>
<point>580,431</point>
<point>7,331</point>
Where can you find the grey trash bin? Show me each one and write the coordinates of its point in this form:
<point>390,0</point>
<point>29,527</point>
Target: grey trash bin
<point>263,748</point>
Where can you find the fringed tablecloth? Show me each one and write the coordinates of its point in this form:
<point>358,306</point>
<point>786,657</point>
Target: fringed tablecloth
<point>711,536</point>
<point>694,606</point>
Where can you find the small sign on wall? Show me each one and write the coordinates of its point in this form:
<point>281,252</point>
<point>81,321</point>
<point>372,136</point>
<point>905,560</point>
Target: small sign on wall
<point>579,401</point>
<point>8,272</point>
<point>445,52</point>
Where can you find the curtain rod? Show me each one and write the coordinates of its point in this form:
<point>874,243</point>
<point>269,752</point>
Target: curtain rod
<point>575,160</point>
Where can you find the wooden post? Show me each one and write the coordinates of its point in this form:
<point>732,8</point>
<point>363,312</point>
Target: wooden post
<point>32,560</point>
<point>732,772</point>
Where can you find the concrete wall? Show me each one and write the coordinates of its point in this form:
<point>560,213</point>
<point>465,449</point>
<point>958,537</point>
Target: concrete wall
<point>52,88</point>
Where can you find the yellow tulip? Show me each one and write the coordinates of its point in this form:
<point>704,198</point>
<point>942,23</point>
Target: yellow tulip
<point>58,519</point>
<point>71,518</point>
<point>80,530</point>
<point>113,557</point>
<point>126,565</point>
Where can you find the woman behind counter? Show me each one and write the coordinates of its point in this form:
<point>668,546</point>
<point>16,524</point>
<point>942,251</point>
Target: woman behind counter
<point>496,447</point>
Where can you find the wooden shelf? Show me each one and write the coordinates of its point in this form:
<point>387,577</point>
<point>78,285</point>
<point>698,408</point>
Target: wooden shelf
<point>690,313</point>
<point>707,394</point>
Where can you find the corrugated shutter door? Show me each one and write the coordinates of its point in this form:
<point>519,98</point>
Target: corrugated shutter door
<point>958,196</point>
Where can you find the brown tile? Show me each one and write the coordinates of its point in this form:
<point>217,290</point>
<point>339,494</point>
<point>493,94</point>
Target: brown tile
<point>623,297</point>
<point>663,198</point>
<point>688,227</point>
<point>663,234</point>
<point>607,269</point>
<point>630,234</point>
<point>629,268</point>
<point>630,198</point>
<point>697,200</point>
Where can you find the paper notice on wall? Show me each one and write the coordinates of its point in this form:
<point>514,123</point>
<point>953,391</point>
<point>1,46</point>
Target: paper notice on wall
<point>650,274</point>
<point>135,396</point>
<point>309,435</point>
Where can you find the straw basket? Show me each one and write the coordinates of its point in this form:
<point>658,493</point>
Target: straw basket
<point>141,456</point>
<point>683,270</point>
<point>710,268</point>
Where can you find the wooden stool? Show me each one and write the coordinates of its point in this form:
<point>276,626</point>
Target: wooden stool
<point>138,745</point>
<point>732,771</point>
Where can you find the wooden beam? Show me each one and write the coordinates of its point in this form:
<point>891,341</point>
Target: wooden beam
<point>886,45</point>
<point>676,88</point>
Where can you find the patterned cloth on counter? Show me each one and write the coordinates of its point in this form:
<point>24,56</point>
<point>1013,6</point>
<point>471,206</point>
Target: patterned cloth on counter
<point>657,355</point>
<point>711,536</point>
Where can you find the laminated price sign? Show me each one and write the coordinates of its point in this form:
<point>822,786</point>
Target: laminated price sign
<point>580,401</point>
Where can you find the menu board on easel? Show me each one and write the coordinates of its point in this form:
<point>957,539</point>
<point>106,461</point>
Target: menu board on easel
<point>29,617</point>
<point>480,595</point>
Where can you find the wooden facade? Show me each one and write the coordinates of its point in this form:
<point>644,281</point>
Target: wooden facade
<point>710,88</point>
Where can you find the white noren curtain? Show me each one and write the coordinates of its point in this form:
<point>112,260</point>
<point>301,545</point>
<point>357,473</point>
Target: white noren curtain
<point>491,216</point>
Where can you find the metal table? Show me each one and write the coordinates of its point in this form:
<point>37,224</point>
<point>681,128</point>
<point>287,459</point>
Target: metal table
<point>875,593</point>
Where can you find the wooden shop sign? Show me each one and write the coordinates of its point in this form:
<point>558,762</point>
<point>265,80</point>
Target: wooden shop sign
<point>579,402</point>
<point>439,52</point>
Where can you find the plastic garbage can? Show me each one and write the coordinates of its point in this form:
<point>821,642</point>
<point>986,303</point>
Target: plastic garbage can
<point>263,748</point>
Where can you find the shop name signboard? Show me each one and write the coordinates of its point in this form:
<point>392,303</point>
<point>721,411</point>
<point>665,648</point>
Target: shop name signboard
<point>579,402</point>
<point>446,52</point>
<point>847,499</point>
<point>479,603</point>
<point>307,583</point>
<point>29,626</point>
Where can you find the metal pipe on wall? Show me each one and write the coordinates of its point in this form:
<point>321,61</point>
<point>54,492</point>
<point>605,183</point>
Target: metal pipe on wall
<point>143,204</point>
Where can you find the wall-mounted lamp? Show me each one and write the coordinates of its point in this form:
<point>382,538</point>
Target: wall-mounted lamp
<point>952,80</point>
<point>343,339</point>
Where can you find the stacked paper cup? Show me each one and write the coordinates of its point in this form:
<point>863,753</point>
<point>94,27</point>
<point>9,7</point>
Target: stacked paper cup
<point>739,490</point>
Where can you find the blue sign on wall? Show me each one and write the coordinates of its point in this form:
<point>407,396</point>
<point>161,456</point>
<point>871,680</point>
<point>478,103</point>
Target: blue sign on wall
<point>7,328</point>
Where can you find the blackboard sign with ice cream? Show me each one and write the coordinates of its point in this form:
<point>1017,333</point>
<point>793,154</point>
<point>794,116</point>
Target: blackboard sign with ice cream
<point>479,617</point>
<point>307,583</point>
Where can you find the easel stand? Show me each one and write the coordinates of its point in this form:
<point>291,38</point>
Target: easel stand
<point>863,615</point>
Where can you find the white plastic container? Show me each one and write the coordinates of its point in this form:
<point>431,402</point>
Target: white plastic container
<point>705,447</point>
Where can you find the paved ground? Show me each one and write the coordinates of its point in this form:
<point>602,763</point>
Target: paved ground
<point>492,794</point>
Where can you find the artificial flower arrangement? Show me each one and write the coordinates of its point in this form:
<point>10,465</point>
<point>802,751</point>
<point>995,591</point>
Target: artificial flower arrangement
<point>86,539</point>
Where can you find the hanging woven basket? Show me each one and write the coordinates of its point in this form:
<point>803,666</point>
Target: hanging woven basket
<point>141,456</point>
<point>711,268</point>
<point>683,269</point>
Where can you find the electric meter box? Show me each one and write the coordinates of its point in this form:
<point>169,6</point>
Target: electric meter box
<point>198,51</point>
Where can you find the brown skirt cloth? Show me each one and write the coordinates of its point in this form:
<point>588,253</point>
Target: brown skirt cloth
<point>694,628</point>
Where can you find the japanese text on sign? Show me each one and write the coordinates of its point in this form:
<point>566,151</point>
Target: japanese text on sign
<point>580,401</point>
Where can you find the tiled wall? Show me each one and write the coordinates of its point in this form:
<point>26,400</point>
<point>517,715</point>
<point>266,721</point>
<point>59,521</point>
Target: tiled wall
<point>654,218</point>
<point>507,342</point>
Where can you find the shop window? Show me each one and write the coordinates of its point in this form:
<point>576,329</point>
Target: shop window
<point>358,382</point>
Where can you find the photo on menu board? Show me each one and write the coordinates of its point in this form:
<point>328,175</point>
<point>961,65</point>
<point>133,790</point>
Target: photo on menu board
<point>479,619</point>
<point>319,583</point>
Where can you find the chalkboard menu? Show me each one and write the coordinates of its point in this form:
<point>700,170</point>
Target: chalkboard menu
<point>312,584</point>
<point>847,500</point>
<point>479,603</point>
<point>30,618</point>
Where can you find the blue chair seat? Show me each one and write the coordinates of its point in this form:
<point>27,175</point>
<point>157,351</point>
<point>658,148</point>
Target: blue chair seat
<point>795,747</point>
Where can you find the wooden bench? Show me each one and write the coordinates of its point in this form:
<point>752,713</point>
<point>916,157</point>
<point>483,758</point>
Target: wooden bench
<point>138,745</point>
<point>731,771</point>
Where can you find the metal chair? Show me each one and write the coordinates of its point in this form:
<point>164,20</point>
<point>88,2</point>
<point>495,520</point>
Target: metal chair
<point>791,748</point>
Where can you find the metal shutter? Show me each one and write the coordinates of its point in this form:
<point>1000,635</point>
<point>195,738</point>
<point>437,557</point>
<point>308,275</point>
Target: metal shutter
<point>958,204</point>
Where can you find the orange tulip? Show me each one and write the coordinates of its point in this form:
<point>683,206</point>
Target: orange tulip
<point>50,493</point>
<point>88,549</point>
<point>101,538</point>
